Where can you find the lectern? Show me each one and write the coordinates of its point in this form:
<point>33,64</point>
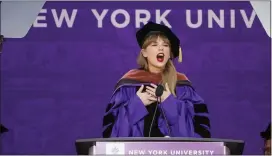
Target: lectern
<point>159,146</point>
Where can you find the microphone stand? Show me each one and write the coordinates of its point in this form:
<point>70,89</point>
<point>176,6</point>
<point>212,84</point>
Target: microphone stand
<point>166,121</point>
<point>159,92</point>
<point>151,125</point>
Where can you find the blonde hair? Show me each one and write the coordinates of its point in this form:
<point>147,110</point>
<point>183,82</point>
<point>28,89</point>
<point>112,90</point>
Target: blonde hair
<point>169,74</point>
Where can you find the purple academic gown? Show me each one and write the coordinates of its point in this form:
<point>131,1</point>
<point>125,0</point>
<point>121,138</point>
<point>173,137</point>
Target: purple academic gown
<point>186,114</point>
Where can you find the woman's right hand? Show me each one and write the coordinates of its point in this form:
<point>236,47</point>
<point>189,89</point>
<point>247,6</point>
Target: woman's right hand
<point>145,97</point>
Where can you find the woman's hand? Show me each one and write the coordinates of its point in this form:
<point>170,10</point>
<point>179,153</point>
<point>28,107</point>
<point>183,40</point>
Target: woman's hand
<point>152,91</point>
<point>146,97</point>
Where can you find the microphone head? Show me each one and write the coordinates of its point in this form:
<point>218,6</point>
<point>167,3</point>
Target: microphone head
<point>159,90</point>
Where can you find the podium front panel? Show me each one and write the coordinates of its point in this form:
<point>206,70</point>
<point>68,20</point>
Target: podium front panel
<point>158,148</point>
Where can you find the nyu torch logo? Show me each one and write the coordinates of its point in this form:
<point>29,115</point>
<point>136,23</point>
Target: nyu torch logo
<point>115,148</point>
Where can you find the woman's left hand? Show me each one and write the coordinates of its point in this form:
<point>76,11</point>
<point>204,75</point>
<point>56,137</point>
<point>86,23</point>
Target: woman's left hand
<point>166,92</point>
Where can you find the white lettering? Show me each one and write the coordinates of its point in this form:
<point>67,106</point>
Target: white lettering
<point>212,16</point>
<point>100,17</point>
<point>211,152</point>
<point>38,24</point>
<point>175,152</point>
<point>123,12</point>
<point>194,20</point>
<point>158,152</point>
<point>195,152</point>
<point>161,18</point>
<point>64,15</point>
<point>189,152</point>
<point>136,152</point>
<point>189,19</point>
<point>232,18</point>
<point>247,21</point>
<point>139,20</point>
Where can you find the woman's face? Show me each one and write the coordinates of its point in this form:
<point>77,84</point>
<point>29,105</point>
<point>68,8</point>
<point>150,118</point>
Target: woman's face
<point>157,53</point>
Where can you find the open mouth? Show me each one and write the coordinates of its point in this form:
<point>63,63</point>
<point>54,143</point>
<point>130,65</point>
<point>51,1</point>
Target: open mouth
<point>160,57</point>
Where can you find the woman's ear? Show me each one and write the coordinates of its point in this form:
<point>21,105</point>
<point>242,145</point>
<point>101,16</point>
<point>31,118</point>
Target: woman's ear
<point>144,53</point>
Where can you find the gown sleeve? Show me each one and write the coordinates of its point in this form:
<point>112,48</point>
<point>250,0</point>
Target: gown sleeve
<point>124,114</point>
<point>187,114</point>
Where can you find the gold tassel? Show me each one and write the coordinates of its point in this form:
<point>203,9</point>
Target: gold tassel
<point>180,55</point>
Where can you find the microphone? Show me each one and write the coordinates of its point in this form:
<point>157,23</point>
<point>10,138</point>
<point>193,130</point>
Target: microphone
<point>159,90</point>
<point>158,93</point>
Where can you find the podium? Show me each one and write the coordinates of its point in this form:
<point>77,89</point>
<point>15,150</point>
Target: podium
<point>159,146</point>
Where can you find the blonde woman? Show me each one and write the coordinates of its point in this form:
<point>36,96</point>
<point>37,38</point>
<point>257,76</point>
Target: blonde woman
<point>155,100</point>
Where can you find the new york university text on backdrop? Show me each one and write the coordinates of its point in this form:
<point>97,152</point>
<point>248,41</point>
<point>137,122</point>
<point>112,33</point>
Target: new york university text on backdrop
<point>193,19</point>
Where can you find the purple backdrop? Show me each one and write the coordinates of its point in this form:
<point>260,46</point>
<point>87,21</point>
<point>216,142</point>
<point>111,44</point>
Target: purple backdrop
<point>56,82</point>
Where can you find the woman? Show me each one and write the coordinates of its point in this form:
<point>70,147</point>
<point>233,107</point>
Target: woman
<point>135,109</point>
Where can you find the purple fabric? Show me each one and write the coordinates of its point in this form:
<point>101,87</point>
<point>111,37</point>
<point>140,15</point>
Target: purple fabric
<point>128,113</point>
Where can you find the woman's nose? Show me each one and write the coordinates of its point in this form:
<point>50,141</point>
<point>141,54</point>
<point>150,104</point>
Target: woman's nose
<point>160,47</point>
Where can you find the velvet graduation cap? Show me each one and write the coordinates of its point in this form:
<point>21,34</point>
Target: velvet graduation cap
<point>267,133</point>
<point>151,27</point>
